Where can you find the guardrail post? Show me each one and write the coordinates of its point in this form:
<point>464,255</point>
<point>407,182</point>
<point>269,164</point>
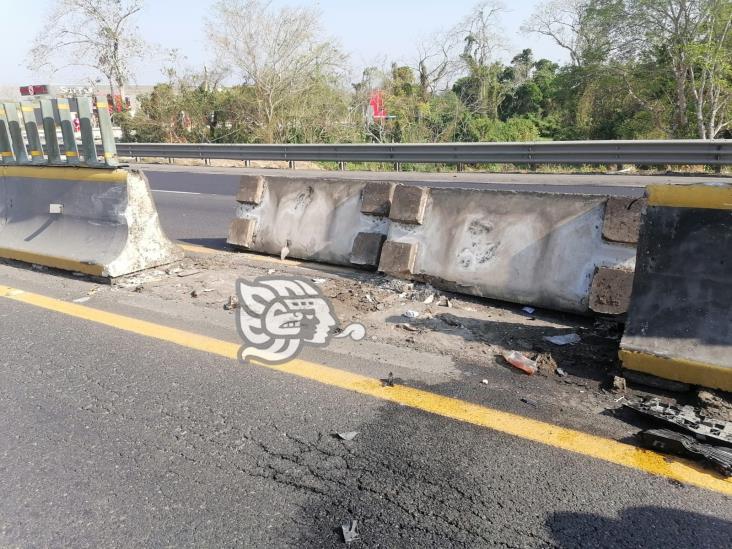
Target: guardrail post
<point>342,166</point>
<point>49,132</point>
<point>30,120</point>
<point>67,131</point>
<point>16,133</point>
<point>291,164</point>
<point>105,128</point>
<point>86,126</point>
<point>6,147</point>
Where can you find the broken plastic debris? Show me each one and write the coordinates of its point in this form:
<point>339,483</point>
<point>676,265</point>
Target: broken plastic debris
<point>82,299</point>
<point>350,532</point>
<point>529,310</point>
<point>519,361</point>
<point>484,382</point>
<point>530,402</point>
<point>411,314</point>
<point>682,445</point>
<point>233,303</point>
<point>318,280</point>
<point>350,435</point>
<point>561,373</point>
<point>703,427</point>
<point>561,340</point>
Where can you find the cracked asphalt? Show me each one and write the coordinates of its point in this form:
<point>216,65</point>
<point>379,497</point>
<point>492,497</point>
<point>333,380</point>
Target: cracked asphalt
<point>109,439</point>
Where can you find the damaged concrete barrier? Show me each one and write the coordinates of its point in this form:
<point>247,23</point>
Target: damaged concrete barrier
<point>567,252</point>
<point>680,319</point>
<point>98,221</point>
<point>337,221</point>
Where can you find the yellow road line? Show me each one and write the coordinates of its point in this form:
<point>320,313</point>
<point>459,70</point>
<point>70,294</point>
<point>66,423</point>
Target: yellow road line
<point>504,422</point>
<point>198,249</point>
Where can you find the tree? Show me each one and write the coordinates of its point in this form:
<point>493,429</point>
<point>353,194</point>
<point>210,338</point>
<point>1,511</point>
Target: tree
<point>564,21</point>
<point>710,70</point>
<point>99,34</point>
<point>280,54</point>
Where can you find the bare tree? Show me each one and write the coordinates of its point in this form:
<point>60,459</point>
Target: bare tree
<point>564,22</point>
<point>278,52</point>
<point>482,33</point>
<point>99,34</point>
<point>437,61</point>
<point>710,70</point>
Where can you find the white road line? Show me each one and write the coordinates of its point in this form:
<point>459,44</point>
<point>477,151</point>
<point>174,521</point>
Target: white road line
<point>172,192</point>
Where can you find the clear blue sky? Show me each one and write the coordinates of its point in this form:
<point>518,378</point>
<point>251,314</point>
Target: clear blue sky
<point>371,31</point>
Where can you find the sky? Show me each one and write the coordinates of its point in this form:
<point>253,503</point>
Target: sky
<point>372,32</point>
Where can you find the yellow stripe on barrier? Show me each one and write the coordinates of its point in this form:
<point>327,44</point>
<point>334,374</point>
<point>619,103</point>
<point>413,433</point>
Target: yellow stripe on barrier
<point>71,173</point>
<point>52,261</point>
<point>71,154</point>
<point>677,369</point>
<point>709,197</point>
<point>36,153</point>
<point>63,106</point>
<point>6,154</point>
<point>533,430</point>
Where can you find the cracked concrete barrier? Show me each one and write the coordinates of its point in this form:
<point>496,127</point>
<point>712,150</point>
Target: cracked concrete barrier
<point>566,252</point>
<point>343,222</point>
<point>680,319</point>
<point>101,222</point>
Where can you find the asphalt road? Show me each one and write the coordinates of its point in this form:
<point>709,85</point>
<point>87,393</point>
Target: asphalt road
<point>109,439</point>
<point>196,203</point>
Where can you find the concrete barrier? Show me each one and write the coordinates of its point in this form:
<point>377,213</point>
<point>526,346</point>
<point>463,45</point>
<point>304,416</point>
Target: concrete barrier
<point>333,221</point>
<point>567,252</point>
<point>101,222</point>
<point>680,320</point>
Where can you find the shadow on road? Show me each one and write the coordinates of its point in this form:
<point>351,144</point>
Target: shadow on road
<point>648,527</point>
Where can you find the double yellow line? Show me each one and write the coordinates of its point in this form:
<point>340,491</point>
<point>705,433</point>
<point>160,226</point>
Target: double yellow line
<point>528,429</point>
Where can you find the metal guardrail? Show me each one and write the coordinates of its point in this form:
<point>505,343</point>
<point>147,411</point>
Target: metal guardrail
<point>29,133</point>
<point>678,152</point>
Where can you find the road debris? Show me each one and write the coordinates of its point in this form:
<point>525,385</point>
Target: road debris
<point>715,404</point>
<point>521,362</point>
<point>687,446</point>
<point>429,299</point>
<point>350,435</point>
<point>285,251</point>
<point>546,364</point>
<point>529,310</point>
<point>530,402</point>
<point>619,385</point>
<point>484,382</point>
<point>82,299</point>
<point>562,340</point>
<point>408,327</point>
<point>561,372</point>
<point>232,304</point>
<point>411,314</point>
<point>319,280</point>
<point>691,419</point>
<point>189,272</point>
<point>350,531</point>
<point>656,382</point>
<point>194,293</point>
<point>389,380</point>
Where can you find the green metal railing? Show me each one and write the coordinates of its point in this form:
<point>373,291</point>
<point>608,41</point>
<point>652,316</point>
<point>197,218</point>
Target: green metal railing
<point>21,142</point>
